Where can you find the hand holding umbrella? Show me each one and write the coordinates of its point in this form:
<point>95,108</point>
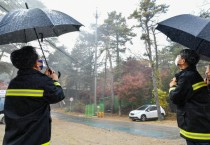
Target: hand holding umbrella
<point>207,75</point>
<point>51,73</point>
<point>172,83</point>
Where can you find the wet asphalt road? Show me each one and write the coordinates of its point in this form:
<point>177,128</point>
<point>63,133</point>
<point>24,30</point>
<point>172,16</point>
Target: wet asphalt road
<point>136,128</point>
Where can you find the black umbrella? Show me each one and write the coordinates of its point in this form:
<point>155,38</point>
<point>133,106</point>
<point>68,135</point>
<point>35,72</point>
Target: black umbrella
<point>25,25</point>
<point>190,31</point>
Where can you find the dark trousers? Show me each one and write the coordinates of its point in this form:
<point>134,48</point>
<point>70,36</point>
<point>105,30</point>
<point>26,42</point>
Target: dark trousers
<point>189,142</point>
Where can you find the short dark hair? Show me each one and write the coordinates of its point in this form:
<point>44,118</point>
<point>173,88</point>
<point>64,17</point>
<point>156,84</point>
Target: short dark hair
<point>190,56</point>
<point>24,58</point>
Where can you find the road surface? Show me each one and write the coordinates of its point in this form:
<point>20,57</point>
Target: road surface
<point>136,128</point>
<point>71,130</point>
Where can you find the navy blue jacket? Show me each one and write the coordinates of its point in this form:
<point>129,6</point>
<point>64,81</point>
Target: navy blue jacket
<point>27,108</point>
<point>193,105</point>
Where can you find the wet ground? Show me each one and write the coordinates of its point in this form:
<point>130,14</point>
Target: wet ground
<point>136,128</point>
<point>71,130</point>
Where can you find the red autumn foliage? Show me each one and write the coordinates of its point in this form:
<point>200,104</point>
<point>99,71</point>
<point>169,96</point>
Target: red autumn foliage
<point>132,99</point>
<point>101,90</point>
<point>131,86</point>
<point>135,77</point>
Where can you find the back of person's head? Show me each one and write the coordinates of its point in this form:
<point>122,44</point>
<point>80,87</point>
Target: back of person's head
<point>24,58</point>
<point>190,56</point>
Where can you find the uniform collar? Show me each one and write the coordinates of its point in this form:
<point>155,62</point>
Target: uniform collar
<point>189,68</point>
<point>27,71</point>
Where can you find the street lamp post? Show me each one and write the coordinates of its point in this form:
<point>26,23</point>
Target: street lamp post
<point>95,64</point>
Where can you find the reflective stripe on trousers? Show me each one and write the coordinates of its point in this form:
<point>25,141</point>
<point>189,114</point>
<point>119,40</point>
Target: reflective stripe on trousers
<point>193,135</point>
<point>47,143</point>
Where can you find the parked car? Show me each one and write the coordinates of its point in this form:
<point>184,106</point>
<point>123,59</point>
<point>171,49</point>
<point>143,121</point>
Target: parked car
<point>146,112</point>
<point>2,119</point>
<point>2,99</point>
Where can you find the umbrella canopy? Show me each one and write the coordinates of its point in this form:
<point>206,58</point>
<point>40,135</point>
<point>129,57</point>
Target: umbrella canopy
<point>18,26</point>
<point>190,31</point>
<point>25,25</point>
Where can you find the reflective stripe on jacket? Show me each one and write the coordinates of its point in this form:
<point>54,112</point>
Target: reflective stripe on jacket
<point>194,86</point>
<point>24,92</point>
<point>199,85</point>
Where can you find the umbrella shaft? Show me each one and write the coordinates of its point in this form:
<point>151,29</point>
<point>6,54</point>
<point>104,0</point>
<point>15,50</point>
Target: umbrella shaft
<point>41,48</point>
<point>39,42</point>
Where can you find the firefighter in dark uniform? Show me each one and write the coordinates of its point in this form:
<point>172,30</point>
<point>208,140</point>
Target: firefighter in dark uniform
<point>190,94</point>
<point>28,99</point>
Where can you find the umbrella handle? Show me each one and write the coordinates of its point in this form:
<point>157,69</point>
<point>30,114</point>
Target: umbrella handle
<point>26,6</point>
<point>59,74</point>
<point>41,35</point>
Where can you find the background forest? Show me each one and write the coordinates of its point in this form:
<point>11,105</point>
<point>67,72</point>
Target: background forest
<point>108,76</point>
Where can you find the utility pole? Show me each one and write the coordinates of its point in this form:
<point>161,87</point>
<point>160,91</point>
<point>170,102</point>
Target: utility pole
<point>95,65</point>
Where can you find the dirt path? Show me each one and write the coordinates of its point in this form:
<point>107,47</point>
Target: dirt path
<point>68,133</point>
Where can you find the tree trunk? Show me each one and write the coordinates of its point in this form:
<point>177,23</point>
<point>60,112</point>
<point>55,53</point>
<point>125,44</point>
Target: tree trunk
<point>2,53</point>
<point>118,73</point>
<point>154,80</point>
<point>105,73</point>
<point>159,80</point>
<point>120,108</point>
<point>112,82</point>
<point>14,73</point>
<point>156,49</point>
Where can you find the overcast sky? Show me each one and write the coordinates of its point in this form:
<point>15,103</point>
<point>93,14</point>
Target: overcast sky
<point>84,11</point>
